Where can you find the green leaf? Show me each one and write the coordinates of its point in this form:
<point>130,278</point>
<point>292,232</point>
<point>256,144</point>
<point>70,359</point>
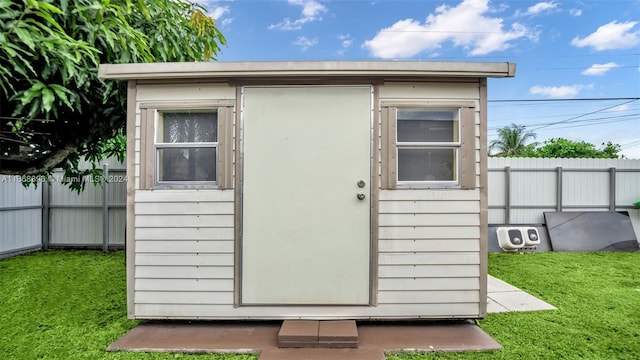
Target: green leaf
<point>47,99</point>
<point>25,37</point>
<point>50,8</point>
<point>50,21</point>
<point>10,51</point>
<point>61,93</point>
<point>32,93</point>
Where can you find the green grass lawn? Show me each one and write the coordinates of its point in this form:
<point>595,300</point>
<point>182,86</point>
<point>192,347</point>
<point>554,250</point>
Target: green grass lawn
<point>71,305</point>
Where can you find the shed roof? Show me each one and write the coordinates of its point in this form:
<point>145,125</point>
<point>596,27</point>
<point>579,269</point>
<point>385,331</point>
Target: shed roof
<point>324,69</point>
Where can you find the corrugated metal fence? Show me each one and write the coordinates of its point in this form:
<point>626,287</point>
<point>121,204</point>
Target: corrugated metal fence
<point>72,219</point>
<point>520,190</point>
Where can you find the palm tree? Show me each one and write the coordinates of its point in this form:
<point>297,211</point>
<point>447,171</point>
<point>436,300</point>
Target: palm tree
<point>512,141</point>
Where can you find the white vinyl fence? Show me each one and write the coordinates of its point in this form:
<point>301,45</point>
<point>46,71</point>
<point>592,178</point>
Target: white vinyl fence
<point>72,219</point>
<point>520,190</point>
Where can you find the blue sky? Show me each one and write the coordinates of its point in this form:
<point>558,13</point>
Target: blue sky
<point>578,62</point>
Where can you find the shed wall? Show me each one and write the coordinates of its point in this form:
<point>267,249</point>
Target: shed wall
<point>429,240</point>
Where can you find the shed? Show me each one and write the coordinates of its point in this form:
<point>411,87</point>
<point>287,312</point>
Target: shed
<point>307,190</point>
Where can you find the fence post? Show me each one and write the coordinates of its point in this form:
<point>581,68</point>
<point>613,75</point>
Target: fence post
<point>45,215</point>
<point>612,189</point>
<point>559,189</point>
<point>507,194</point>
<point>105,208</point>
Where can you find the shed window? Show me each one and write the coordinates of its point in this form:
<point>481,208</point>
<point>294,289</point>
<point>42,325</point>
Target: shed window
<point>427,145</point>
<point>186,146</point>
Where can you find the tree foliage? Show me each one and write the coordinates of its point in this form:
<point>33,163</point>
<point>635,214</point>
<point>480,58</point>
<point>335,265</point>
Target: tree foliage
<point>565,148</point>
<point>54,110</point>
<point>512,141</point>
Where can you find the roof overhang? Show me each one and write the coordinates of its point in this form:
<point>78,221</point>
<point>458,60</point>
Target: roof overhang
<point>295,69</point>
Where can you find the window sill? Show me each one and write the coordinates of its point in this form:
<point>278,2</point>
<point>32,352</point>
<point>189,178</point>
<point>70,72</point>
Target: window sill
<point>429,185</point>
<point>185,187</point>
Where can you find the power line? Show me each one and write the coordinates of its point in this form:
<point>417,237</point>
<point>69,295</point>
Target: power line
<point>555,100</point>
<point>614,118</point>
<point>528,57</point>
<point>583,115</point>
<point>533,117</point>
<point>631,144</point>
<point>593,67</point>
<point>595,123</point>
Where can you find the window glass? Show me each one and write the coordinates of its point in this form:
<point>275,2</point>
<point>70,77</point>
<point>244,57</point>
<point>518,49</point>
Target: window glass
<point>427,145</point>
<point>427,125</point>
<point>427,164</point>
<point>178,127</point>
<point>187,164</point>
<point>186,146</point>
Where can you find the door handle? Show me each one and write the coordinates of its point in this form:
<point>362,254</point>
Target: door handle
<point>361,196</point>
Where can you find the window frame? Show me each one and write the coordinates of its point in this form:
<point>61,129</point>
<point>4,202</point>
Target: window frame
<point>465,146</point>
<point>149,159</point>
<point>158,146</point>
<point>430,145</point>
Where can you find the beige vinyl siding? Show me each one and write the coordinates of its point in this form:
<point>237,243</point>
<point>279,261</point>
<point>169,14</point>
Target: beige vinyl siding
<point>185,92</point>
<point>431,90</point>
<point>167,93</point>
<point>422,273</point>
<point>455,92</point>
<point>429,249</point>
<point>221,312</point>
<point>428,240</point>
<point>184,248</point>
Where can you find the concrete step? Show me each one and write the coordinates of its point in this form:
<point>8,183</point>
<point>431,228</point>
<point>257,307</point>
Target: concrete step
<point>318,334</point>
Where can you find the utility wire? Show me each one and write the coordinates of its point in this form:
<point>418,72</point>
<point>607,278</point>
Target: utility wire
<point>633,143</point>
<point>493,120</point>
<point>595,123</point>
<point>583,115</point>
<point>557,100</point>
<point>620,117</point>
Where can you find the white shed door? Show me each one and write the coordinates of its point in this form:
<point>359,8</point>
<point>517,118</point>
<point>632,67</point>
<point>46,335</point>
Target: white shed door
<point>305,231</point>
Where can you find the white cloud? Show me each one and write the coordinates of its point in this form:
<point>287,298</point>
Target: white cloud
<point>611,36</point>
<point>565,91</point>
<point>226,22</point>
<point>311,11</point>
<point>345,41</point>
<point>538,8</point>
<point>218,12</point>
<point>467,25</point>
<point>600,69</point>
<point>541,7</point>
<point>619,108</point>
<point>305,43</point>
<point>575,12</point>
